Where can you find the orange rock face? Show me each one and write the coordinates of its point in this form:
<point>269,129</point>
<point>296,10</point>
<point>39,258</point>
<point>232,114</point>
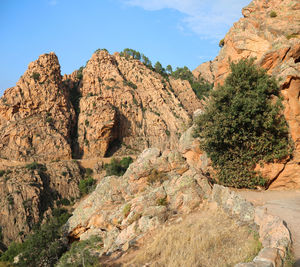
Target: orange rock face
<point>122,100</point>
<point>270,32</point>
<point>36,115</point>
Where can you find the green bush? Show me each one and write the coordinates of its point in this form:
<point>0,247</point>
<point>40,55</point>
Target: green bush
<point>65,202</point>
<point>221,43</point>
<point>86,185</point>
<point>43,247</point>
<point>79,73</point>
<point>35,76</point>
<point>88,172</point>
<point>35,166</point>
<point>131,84</point>
<point>117,167</point>
<point>82,253</point>
<point>273,14</point>
<point>242,126</point>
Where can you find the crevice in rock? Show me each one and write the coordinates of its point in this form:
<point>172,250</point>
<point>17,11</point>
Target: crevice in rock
<point>117,135</point>
<point>283,58</point>
<point>274,179</point>
<point>75,96</point>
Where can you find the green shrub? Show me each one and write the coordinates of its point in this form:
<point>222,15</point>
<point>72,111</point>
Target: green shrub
<point>64,174</point>
<point>79,73</point>
<point>162,202</point>
<point>117,167</point>
<point>221,43</point>
<point>273,14</point>
<point>65,202</point>
<point>35,166</point>
<point>126,210</point>
<point>86,185</point>
<point>131,84</point>
<point>42,246</point>
<point>88,172</point>
<point>2,172</point>
<point>242,126</point>
<point>292,35</point>
<point>82,253</point>
<point>35,76</point>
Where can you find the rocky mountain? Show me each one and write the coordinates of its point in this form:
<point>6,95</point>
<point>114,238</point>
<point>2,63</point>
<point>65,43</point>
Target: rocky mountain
<point>122,100</point>
<point>270,32</point>
<point>112,104</point>
<point>116,105</point>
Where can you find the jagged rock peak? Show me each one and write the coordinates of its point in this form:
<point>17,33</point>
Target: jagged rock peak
<point>36,115</point>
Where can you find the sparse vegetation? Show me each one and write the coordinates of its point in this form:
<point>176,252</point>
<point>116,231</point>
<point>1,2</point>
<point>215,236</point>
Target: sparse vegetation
<point>117,167</point>
<point>156,176</point>
<point>193,242</point>
<point>292,35</point>
<point>35,76</point>
<point>35,166</point>
<point>243,125</point>
<point>83,253</point>
<point>221,43</point>
<point>79,74</point>
<point>86,185</point>
<point>43,247</point>
<point>273,14</point>
<point>162,202</point>
<point>130,84</point>
<point>126,210</point>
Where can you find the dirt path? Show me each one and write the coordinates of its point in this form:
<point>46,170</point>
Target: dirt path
<point>286,205</point>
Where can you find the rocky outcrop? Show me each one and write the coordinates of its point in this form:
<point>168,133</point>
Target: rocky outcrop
<point>124,101</point>
<point>122,209</point>
<point>273,233</point>
<point>28,195</point>
<point>35,115</point>
<point>269,31</point>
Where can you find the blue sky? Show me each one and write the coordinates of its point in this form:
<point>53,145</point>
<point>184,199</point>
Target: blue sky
<point>176,32</point>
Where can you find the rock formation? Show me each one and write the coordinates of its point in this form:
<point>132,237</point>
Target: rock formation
<point>28,194</point>
<point>122,100</point>
<point>36,115</point>
<point>269,31</point>
<point>121,209</point>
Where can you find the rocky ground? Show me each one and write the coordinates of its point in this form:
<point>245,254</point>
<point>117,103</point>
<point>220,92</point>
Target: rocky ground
<point>286,205</point>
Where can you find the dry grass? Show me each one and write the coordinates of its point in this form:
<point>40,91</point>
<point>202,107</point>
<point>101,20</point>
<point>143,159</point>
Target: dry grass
<point>210,238</point>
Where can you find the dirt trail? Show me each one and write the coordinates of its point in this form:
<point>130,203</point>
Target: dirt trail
<point>286,205</point>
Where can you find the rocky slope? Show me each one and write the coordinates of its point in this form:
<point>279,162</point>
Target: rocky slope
<point>50,119</point>
<point>28,194</point>
<point>269,31</point>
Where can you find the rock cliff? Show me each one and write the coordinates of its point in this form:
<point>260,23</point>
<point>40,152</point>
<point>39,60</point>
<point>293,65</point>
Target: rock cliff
<point>122,100</point>
<point>270,32</point>
<point>36,116</point>
<point>112,103</point>
<point>28,194</point>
